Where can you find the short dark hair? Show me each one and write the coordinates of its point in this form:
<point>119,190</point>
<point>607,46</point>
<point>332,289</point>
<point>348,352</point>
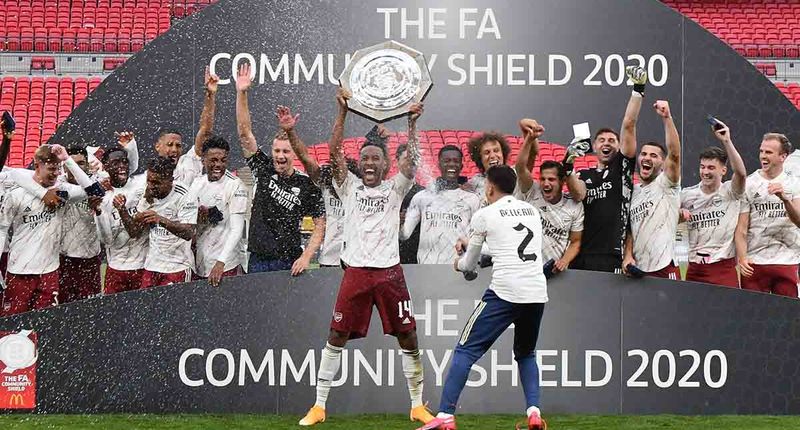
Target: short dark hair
<point>550,164</point>
<point>658,145</point>
<point>168,130</point>
<point>786,146</point>
<point>216,142</point>
<point>162,166</point>
<point>605,130</point>
<point>714,153</point>
<point>377,145</point>
<point>449,148</point>
<point>476,143</point>
<point>114,148</point>
<point>77,149</point>
<point>503,177</point>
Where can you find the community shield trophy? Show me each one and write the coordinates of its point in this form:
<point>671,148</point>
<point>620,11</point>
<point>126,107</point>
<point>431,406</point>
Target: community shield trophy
<point>385,79</point>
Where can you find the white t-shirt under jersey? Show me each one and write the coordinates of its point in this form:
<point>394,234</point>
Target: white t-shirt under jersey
<point>445,217</point>
<point>36,239</point>
<point>713,222</point>
<point>122,251</point>
<point>169,253</point>
<point>229,195</point>
<point>372,220</point>
<point>512,230</point>
<point>771,238</point>
<point>654,221</point>
<point>558,220</point>
<point>331,250</point>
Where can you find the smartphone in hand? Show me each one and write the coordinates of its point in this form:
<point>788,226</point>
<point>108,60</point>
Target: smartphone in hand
<point>714,123</point>
<point>8,122</point>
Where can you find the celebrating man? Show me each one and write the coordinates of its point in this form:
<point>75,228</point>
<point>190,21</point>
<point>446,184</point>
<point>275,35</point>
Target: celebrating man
<point>512,229</point>
<point>767,236</point>
<point>444,211</point>
<point>711,210</point>
<point>33,262</point>
<point>125,254</point>
<point>562,217</point>
<point>283,195</point>
<point>656,202</point>
<point>223,203</point>
<point>372,274</point>
<point>170,214</point>
<point>486,150</point>
<point>606,189</point>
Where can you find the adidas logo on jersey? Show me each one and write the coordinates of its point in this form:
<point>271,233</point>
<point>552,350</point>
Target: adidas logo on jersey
<point>589,180</point>
<point>756,195</point>
<point>406,321</point>
<point>27,209</point>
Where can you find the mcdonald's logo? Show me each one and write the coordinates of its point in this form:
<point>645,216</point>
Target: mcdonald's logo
<point>15,400</point>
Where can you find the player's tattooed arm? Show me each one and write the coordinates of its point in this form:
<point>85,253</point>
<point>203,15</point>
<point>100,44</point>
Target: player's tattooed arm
<point>672,165</point>
<point>209,111</point>
<point>415,111</point>
<point>531,131</point>
<point>570,253</point>
<point>628,137</point>
<point>133,227</point>
<point>288,122</point>
<point>740,240</point>
<point>338,164</point>
<point>244,125</point>
<point>183,231</point>
<point>302,263</point>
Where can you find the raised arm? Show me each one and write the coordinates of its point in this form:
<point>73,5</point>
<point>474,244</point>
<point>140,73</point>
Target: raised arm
<point>247,139</point>
<point>628,138</point>
<point>409,170</point>
<point>338,164</point>
<point>209,111</point>
<point>672,166</point>
<point>577,188</point>
<point>737,164</point>
<point>314,242</point>
<point>287,123</point>
<point>128,142</point>
<point>531,131</point>
<point>5,147</point>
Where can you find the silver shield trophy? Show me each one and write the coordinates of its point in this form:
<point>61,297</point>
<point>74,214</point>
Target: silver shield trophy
<point>385,79</point>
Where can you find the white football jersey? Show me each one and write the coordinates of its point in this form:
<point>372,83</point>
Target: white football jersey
<point>512,230</point>
<point>229,195</point>
<point>372,220</point>
<point>169,253</point>
<point>771,238</point>
<point>558,220</point>
<point>334,229</point>
<point>79,237</point>
<point>478,185</point>
<point>713,222</point>
<point>189,167</point>
<point>654,222</point>
<point>122,251</point>
<point>445,216</point>
<point>791,165</point>
<point>36,238</point>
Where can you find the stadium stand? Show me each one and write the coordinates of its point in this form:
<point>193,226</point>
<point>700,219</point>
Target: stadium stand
<point>755,28</point>
<point>44,85</point>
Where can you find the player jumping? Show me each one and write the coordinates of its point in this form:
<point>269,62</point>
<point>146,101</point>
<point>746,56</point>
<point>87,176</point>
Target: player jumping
<point>370,252</point>
<point>512,229</point>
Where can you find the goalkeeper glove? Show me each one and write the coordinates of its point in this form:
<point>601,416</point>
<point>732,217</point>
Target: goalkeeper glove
<point>639,78</point>
<point>577,148</point>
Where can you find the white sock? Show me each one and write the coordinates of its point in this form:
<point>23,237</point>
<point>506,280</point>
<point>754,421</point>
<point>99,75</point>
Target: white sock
<point>328,368</point>
<point>412,369</point>
<point>533,409</point>
<point>443,415</point>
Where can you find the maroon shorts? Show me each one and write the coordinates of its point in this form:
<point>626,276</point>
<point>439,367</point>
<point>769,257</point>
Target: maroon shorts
<point>236,271</point>
<point>780,279</point>
<point>722,272</point>
<point>670,272</point>
<point>157,279</point>
<point>364,287</point>
<point>118,281</point>
<point>27,292</point>
<point>79,278</point>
